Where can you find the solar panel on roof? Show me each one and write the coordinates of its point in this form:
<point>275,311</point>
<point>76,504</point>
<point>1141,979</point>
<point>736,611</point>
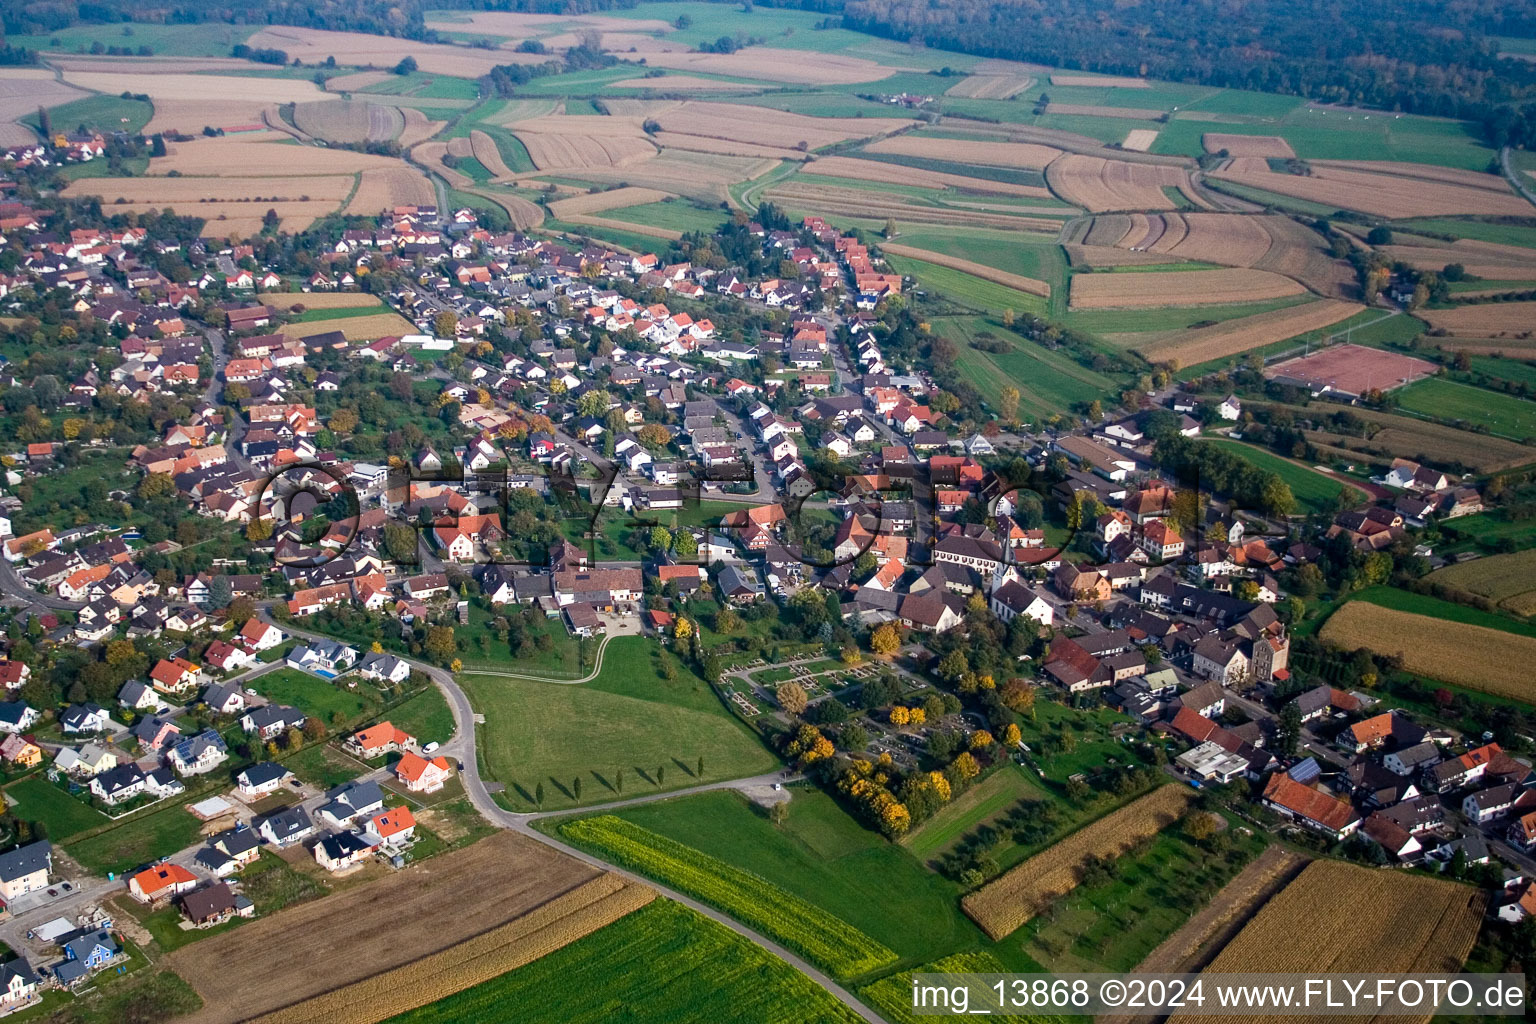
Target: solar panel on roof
<point>1305,771</point>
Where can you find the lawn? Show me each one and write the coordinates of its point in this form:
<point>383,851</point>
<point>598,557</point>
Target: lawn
<point>1314,492</point>
<point>632,240</point>
<point>339,313</point>
<point>324,766</point>
<point>1489,528</point>
<point>425,716</point>
<point>1005,250</point>
<point>1171,318</point>
<point>204,39</point>
<point>822,855</point>
<point>36,799</point>
<point>614,733</point>
<point>1455,403</point>
<point>966,290</point>
<point>104,113</point>
<point>1342,134</point>
<point>1001,790</point>
<point>662,964</point>
<point>141,839</point>
<point>674,215</point>
<point>1483,231</point>
<point>332,703</point>
<point>1048,381</point>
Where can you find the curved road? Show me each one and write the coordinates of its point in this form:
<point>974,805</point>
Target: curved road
<point>462,747</point>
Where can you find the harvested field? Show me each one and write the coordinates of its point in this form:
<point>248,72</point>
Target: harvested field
<point>321,300</point>
<point>1352,370</point>
<point>767,127</point>
<point>1234,337</point>
<point>1001,906</point>
<point>1101,82</point>
<point>418,128</point>
<point>724,147</point>
<point>1108,230</point>
<point>1425,172</point>
<point>229,205</point>
<point>357,80</point>
<point>430,155</point>
<point>990,87</point>
<point>219,157</point>
<point>1246,145</point>
<point>1097,184</point>
<point>541,931</point>
<point>896,174</point>
<point>146,65</point>
<point>356,328</point>
<point>1155,289</point>
<point>1376,921</point>
<point>613,199</point>
<point>1508,580</point>
<point>348,121</point>
<point>685,83</point>
<point>1395,436</point>
<point>695,175</point>
<point>199,87</point>
<point>1092,110</point>
<point>514,25</point>
<point>357,49</point>
<point>22,91</point>
<point>614,106</point>
<point>559,141</point>
<point>968,151</point>
<point>189,117</point>
<point>624,225</point>
<point>386,188</point>
<point>1489,320</point>
<point>1139,140</point>
<point>986,273</point>
<point>855,202</point>
<point>1227,238</point>
<point>1393,196</point>
<point>1109,256</point>
<point>773,65</point>
<point>486,151</point>
<point>524,213</point>
<point>1299,252</point>
<point>344,938</point>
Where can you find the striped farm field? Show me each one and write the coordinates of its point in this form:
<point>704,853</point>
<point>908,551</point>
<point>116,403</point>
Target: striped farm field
<point>854,202</point>
<point>1155,289</point>
<point>1474,657</point>
<point>384,188</point>
<point>1246,145</point>
<point>826,940</point>
<point>1395,194</point>
<point>765,126</point>
<point>1024,284</point>
<point>1100,185</point>
<point>1234,337</point>
<point>896,174</point>
<point>990,87</point>
<point>1003,905</point>
<point>523,940</point>
<point>1489,319</point>
<point>1376,921</point>
<point>1508,580</point>
<point>968,151</point>
<point>1139,140</point>
<point>613,199</point>
<point>349,120</point>
<point>354,935</point>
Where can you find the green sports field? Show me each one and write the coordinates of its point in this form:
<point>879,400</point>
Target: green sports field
<point>1447,400</point>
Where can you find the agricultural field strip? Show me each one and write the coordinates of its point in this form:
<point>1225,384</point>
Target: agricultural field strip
<point>756,902</point>
<point>561,921</point>
<point>355,934</point>
<point>1003,905</point>
<point>1475,657</point>
<point>1508,580</point>
<point>1376,921</point>
<point>1234,337</point>
<point>981,270</point>
<point>1155,289</point>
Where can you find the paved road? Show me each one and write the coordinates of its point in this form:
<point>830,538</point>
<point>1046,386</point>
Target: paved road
<point>462,748</point>
<point>1514,177</point>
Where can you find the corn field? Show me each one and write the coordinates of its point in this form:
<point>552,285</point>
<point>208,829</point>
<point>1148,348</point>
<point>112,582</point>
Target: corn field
<point>1362,920</point>
<point>830,942</point>
<point>557,923</point>
<point>1002,905</point>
